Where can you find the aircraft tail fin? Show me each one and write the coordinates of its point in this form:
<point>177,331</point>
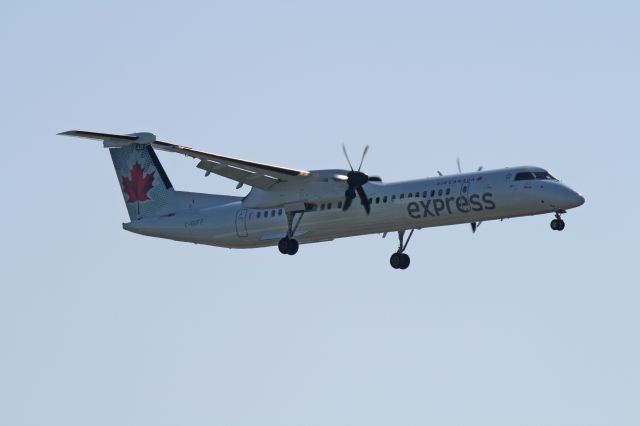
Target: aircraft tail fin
<point>145,186</point>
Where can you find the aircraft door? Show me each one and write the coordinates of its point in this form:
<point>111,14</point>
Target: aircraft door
<point>465,191</point>
<point>241,223</point>
<point>464,188</point>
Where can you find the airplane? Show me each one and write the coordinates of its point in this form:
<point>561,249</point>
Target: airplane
<point>287,207</point>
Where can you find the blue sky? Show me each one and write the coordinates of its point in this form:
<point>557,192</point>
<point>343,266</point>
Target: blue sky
<point>513,325</point>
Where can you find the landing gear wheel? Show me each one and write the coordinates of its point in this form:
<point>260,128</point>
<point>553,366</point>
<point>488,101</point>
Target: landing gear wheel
<point>396,260</point>
<point>406,261</point>
<point>293,247</point>
<point>283,244</point>
<point>288,246</point>
<point>557,224</point>
<point>399,261</point>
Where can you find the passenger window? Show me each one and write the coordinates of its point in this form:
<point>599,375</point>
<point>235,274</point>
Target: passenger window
<point>280,212</point>
<point>377,200</point>
<point>401,196</point>
<point>339,204</point>
<point>266,214</point>
<point>464,189</point>
<point>384,199</point>
<point>273,213</point>
<point>433,192</point>
<point>393,197</point>
<point>329,206</point>
<point>448,191</point>
<point>439,192</point>
<point>410,195</point>
<point>370,200</point>
<point>258,215</point>
<point>322,206</point>
<point>417,194</point>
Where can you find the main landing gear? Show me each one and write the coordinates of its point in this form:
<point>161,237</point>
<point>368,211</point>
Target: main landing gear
<point>289,245</point>
<point>557,224</point>
<point>399,259</point>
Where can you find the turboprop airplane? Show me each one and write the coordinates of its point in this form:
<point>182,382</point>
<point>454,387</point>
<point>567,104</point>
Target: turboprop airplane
<point>286,207</point>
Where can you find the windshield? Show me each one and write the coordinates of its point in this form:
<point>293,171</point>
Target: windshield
<point>534,176</point>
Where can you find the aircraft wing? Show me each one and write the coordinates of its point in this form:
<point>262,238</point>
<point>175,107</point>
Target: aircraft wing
<point>259,175</point>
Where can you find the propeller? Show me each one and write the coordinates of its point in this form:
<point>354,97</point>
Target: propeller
<point>355,180</point>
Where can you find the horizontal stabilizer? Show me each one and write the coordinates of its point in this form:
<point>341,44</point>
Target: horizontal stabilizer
<point>112,140</point>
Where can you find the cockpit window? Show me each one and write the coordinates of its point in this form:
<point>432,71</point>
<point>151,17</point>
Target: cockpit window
<point>544,175</point>
<point>525,176</point>
<point>534,175</point>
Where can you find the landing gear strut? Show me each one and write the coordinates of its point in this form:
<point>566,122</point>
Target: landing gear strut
<point>557,224</point>
<point>289,245</point>
<point>399,259</point>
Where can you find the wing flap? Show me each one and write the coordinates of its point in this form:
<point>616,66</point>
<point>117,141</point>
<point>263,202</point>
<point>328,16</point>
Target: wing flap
<point>242,176</point>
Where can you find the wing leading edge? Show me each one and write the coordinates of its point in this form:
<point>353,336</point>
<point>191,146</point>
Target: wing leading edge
<point>259,175</point>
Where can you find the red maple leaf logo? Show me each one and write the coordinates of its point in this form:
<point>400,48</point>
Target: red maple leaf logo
<point>137,188</point>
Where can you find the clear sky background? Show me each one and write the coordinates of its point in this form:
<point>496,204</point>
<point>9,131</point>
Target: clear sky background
<point>515,325</point>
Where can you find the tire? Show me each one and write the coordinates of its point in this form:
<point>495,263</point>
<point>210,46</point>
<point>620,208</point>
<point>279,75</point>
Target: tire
<point>406,261</point>
<point>283,245</point>
<point>396,260</point>
<point>292,247</point>
<point>560,225</point>
<point>554,224</point>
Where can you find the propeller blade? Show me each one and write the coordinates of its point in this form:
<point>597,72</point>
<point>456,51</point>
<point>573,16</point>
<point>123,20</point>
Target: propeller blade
<point>344,149</point>
<point>475,226</point>
<point>375,179</point>
<point>349,195</point>
<point>458,162</point>
<point>439,173</point>
<point>364,199</point>
<point>480,168</point>
<point>364,153</point>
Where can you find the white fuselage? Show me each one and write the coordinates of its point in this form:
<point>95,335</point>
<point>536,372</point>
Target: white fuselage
<point>438,201</point>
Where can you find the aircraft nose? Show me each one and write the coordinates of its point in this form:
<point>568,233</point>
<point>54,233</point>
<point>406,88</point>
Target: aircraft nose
<point>575,199</point>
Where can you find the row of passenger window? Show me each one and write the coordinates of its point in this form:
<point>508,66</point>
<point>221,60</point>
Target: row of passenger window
<point>265,214</point>
<point>377,200</point>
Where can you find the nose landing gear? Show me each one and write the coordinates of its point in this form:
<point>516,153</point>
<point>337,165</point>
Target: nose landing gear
<point>557,224</point>
<point>399,259</point>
